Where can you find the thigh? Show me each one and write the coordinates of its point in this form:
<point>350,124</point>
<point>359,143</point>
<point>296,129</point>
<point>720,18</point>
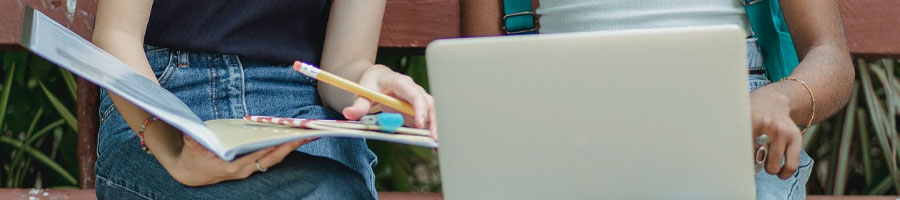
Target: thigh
<point>216,87</point>
<point>127,172</point>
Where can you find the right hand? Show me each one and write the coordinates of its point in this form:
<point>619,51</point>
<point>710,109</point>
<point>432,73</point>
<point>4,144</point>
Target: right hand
<point>770,115</point>
<point>197,166</point>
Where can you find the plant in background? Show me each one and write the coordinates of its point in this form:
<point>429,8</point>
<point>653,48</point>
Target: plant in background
<point>404,167</point>
<point>856,151</point>
<point>37,125</point>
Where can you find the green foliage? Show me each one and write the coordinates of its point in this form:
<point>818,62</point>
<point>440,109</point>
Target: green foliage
<point>403,167</point>
<point>36,150</point>
<point>856,150</point>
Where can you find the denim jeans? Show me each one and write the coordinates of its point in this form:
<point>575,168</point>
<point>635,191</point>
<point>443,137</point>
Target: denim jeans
<point>770,186</point>
<point>219,86</point>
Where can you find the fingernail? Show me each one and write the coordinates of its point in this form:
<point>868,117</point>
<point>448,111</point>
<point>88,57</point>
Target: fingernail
<point>421,120</point>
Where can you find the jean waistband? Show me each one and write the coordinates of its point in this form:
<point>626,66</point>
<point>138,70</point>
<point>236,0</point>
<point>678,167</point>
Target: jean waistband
<point>754,57</point>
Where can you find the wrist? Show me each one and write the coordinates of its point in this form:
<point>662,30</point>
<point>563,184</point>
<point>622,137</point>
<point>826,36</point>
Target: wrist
<point>377,69</point>
<point>773,93</point>
<point>793,95</point>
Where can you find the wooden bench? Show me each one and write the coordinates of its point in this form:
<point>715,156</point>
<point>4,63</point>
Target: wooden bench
<point>873,30</point>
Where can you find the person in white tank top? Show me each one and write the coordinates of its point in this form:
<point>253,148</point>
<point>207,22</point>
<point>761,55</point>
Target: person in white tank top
<point>558,16</point>
<point>824,76</point>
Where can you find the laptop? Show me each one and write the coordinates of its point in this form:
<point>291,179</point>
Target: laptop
<point>642,114</point>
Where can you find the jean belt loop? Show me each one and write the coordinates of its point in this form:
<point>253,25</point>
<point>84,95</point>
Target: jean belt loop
<point>183,58</point>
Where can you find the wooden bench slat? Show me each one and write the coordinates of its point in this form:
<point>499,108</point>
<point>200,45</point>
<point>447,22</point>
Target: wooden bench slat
<point>872,27</point>
<point>412,24</point>
<point>27,194</point>
<point>80,21</point>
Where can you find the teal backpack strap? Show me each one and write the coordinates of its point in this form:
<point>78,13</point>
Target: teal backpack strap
<point>518,17</point>
<point>773,37</point>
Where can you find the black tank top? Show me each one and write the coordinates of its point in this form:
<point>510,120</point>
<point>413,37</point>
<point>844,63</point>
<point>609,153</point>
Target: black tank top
<point>278,31</point>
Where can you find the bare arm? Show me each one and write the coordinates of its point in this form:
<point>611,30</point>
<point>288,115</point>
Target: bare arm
<point>119,30</point>
<point>351,43</point>
<point>825,66</point>
<point>825,59</point>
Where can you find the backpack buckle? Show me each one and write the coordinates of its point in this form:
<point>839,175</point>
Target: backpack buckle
<point>511,32</point>
<point>751,2</point>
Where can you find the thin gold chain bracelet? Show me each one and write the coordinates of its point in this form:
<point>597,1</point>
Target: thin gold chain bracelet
<point>812,112</point>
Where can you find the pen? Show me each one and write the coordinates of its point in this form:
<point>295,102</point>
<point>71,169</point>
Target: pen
<point>350,86</point>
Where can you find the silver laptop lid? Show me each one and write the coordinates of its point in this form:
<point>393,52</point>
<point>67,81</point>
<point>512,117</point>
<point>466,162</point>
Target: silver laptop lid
<point>647,114</point>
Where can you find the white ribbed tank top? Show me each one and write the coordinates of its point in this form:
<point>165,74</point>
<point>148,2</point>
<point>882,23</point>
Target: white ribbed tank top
<point>598,15</point>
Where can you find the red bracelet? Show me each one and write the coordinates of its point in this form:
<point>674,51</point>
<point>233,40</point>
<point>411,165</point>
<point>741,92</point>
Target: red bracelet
<point>141,133</point>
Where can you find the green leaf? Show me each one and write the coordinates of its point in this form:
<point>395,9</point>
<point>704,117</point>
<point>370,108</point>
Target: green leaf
<point>40,68</point>
<point>4,97</point>
<point>17,58</point>
<point>400,177</point>
<point>864,145</point>
<point>876,115</point>
<point>891,133</point>
<point>42,158</point>
<point>882,187</point>
<point>809,136</point>
<point>71,84</point>
<point>840,180</point>
<point>418,71</point>
<point>20,152</point>
<point>63,111</point>
<point>423,153</point>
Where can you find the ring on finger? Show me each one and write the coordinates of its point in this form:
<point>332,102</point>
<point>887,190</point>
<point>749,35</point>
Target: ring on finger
<point>761,153</point>
<point>260,168</point>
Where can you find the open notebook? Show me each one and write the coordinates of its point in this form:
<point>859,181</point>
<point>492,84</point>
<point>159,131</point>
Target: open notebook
<point>224,137</point>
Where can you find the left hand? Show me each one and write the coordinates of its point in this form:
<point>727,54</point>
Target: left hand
<point>382,79</point>
<point>770,115</point>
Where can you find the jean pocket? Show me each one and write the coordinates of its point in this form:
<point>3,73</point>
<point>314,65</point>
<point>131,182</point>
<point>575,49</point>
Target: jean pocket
<point>162,62</point>
<point>106,106</point>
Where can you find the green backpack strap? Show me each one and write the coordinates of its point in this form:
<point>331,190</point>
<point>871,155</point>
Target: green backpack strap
<point>518,17</point>
<point>773,37</point>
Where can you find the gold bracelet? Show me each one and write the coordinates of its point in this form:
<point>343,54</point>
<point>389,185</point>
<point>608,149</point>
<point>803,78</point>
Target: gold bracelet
<point>812,112</point>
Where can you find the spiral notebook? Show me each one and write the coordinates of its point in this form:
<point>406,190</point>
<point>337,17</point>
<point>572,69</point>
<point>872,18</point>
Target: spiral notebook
<point>226,138</point>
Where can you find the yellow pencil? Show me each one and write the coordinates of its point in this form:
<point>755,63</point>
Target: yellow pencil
<point>350,86</point>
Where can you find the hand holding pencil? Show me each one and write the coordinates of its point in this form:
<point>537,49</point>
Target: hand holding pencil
<point>384,87</point>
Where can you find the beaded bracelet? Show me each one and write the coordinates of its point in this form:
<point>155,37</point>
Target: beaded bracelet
<point>812,112</point>
<point>141,133</point>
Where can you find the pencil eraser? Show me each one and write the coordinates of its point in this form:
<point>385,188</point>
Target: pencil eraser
<point>297,65</point>
<point>389,122</point>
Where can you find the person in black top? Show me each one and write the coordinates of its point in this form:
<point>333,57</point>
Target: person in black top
<point>230,58</point>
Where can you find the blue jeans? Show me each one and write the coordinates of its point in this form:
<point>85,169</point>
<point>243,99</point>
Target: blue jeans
<point>218,86</point>
<point>770,186</point>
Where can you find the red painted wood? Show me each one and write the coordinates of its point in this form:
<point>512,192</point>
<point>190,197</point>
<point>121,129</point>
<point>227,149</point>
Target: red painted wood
<point>81,20</point>
<point>412,24</point>
<point>872,27</point>
<point>88,122</point>
<point>28,194</point>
